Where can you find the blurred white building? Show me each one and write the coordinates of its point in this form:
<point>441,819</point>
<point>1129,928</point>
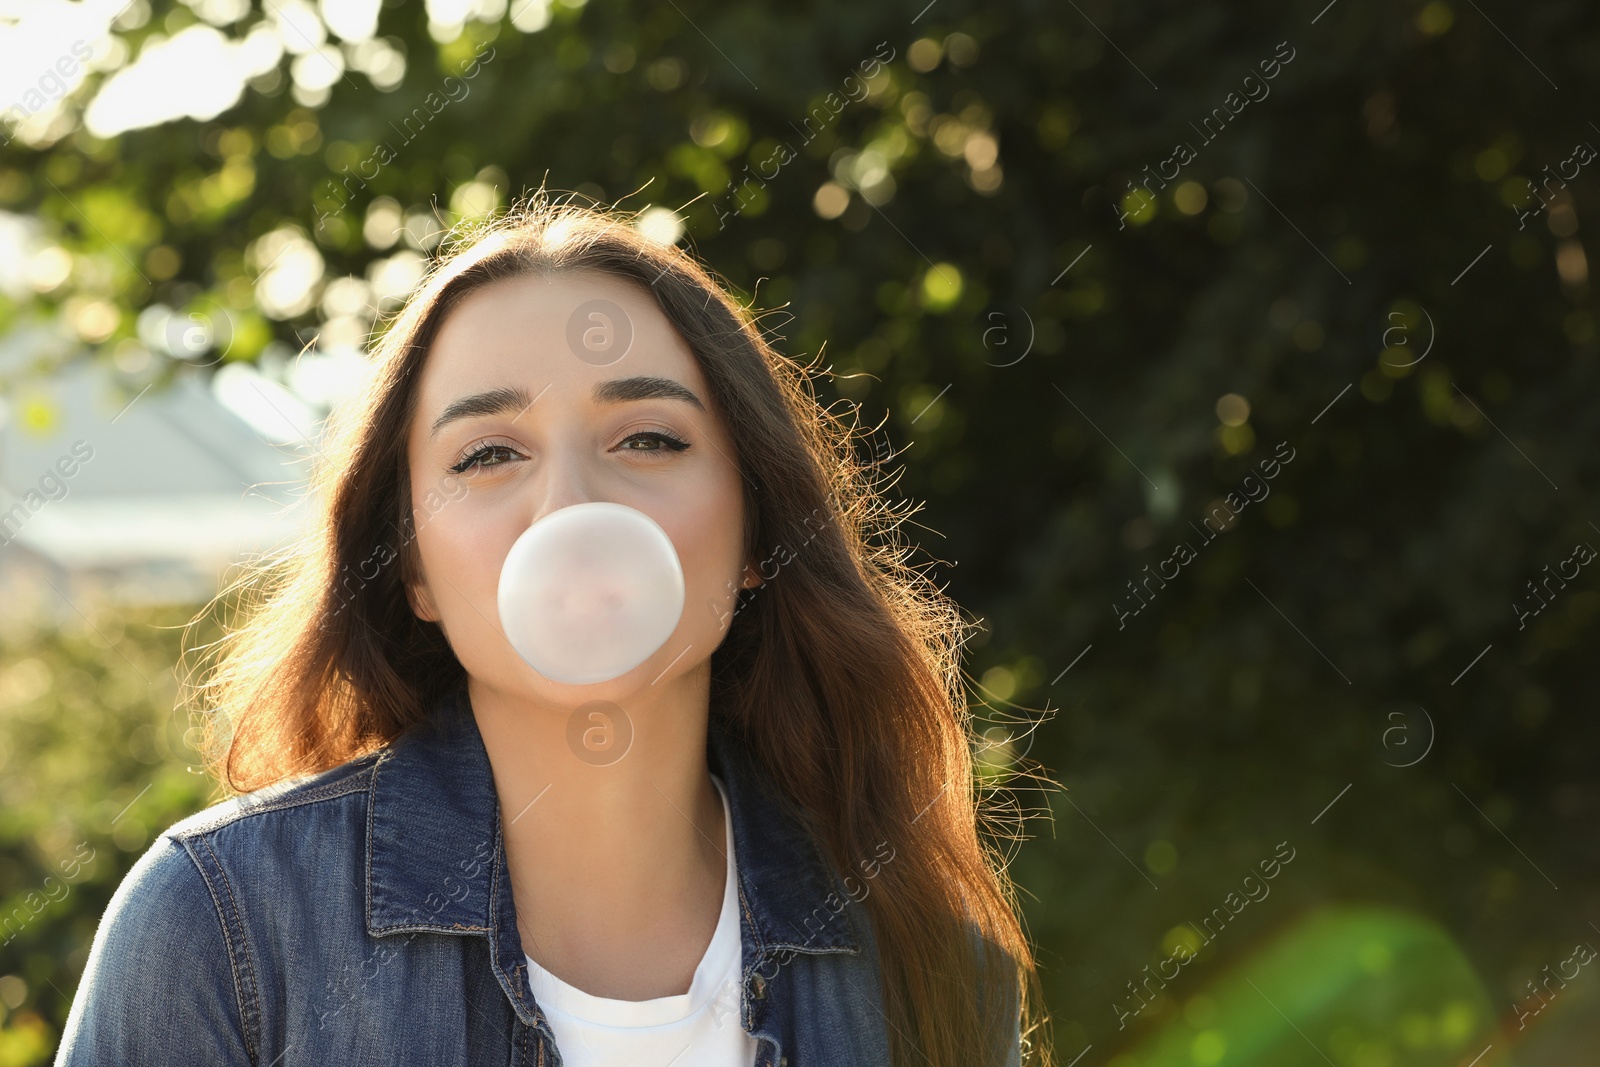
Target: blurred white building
<point>142,498</point>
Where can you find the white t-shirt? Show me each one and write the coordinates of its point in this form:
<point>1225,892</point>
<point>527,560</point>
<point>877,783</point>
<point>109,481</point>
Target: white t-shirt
<point>699,1028</point>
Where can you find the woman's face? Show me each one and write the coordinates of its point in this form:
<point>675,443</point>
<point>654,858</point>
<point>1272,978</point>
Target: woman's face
<point>524,408</point>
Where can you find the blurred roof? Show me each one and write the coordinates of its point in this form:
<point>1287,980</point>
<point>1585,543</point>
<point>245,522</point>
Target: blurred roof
<point>146,497</point>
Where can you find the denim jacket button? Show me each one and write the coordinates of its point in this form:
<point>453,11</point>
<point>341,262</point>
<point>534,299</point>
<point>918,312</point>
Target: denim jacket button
<point>758,987</point>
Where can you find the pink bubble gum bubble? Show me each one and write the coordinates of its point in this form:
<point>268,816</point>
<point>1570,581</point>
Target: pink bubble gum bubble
<point>591,591</point>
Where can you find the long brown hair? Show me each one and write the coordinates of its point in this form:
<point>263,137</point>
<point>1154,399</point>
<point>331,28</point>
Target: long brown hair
<point>841,676</point>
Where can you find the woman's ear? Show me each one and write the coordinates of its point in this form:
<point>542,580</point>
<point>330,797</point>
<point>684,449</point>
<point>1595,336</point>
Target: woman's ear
<point>752,576</point>
<point>421,601</point>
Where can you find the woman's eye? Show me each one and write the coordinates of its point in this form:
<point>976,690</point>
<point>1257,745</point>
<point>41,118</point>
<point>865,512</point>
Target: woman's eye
<point>497,455</point>
<point>663,442</point>
<point>478,456</point>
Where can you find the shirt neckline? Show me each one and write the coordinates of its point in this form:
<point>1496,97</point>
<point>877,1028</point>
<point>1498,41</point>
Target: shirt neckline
<point>720,960</point>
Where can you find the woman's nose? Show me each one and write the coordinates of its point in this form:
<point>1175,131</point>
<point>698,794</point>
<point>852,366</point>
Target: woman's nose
<point>561,482</point>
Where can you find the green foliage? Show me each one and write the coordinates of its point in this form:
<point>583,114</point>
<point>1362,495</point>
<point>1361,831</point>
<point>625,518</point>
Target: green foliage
<point>1358,984</point>
<point>93,765</point>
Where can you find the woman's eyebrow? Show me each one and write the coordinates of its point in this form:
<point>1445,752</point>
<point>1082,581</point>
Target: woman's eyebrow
<point>515,399</point>
<point>644,387</point>
<point>490,402</point>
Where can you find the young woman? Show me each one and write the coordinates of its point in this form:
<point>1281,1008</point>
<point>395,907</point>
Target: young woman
<point>761,846</point>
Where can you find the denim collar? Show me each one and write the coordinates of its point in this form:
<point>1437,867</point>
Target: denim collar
<point>436,858</point>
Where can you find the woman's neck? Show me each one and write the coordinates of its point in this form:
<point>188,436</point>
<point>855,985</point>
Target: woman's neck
<point>617,864</point>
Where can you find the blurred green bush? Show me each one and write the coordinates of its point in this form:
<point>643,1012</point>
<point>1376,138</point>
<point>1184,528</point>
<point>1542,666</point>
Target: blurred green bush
<point>93,765</point>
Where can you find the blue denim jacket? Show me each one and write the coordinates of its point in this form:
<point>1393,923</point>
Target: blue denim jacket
<point>363,915</point>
